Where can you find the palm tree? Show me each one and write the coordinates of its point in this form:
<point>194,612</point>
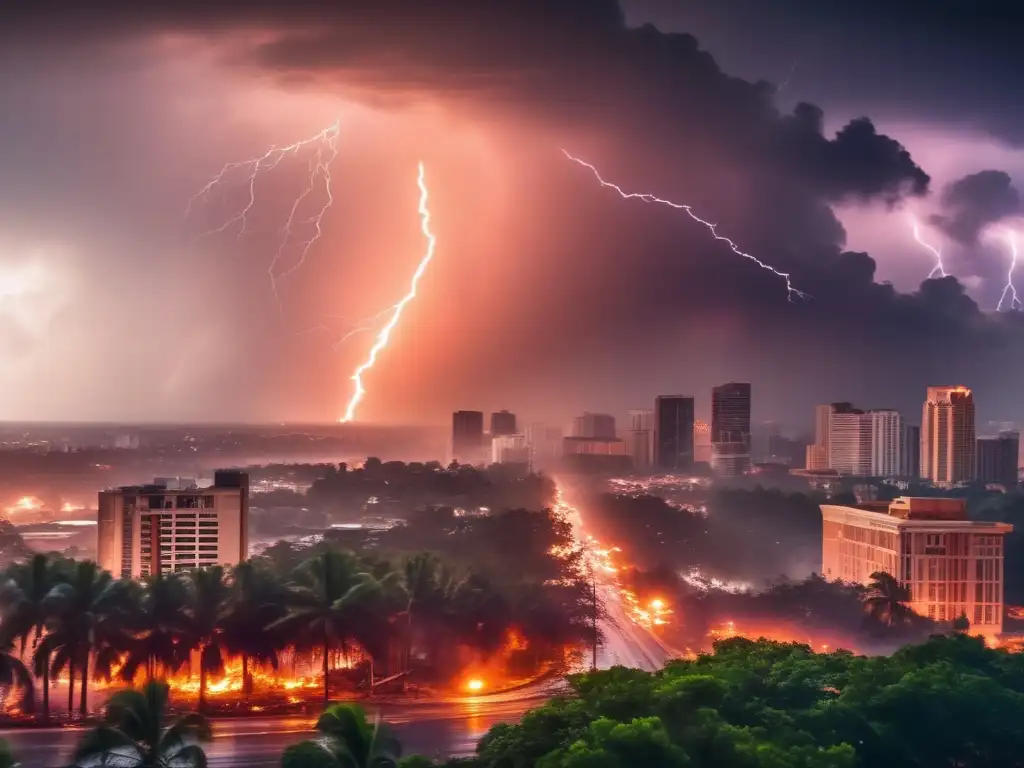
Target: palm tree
<point>158,628</point>
<point>256,602</point>
<point>135,735</point>
<point>886,599</point>
<point>348,740</point>
<point>208,595</point>
<point>22,607</point>
<point>330,599</point>
<point>86,615</point>
<point>14,674</point>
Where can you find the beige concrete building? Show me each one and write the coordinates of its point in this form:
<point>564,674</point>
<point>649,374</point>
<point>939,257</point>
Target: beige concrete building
<point>173,526</point>
<point>947,435</point>
<point>950,564</point>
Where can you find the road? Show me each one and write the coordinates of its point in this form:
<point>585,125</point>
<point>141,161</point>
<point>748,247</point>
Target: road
<point>437,729</point>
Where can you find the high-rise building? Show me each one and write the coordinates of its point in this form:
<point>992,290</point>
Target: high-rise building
<point>816,458</point>
<point>997,458</point>
<point>730,428</point>
<point>910,451</point>
<point>503,423</point>
<point>701,441</point>
<point>947,435</point>
<point>467,436</point>
<point>849,442</point>
<point>510,449</point>
<point>886,433</point>
<point>144,530</point>
<point>673,419</point>
<point>594,425</point>
<point>640,440</point>
<point>952,566</point>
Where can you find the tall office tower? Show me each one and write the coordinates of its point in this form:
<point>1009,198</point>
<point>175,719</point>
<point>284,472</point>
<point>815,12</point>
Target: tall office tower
<point>673,422</point>
<point>950,564</point>
<point>947,435</point>
<point>886,436</point>
<point>640,440</point>
<point>701,441</point>
<point>997,458</point>
<point>594,425</point>
<point>144,530</point>
<point>816,459</point>
<point>849,442</point>
<point>819,453</point>
<point>503,423</point>
<point>730,428</point>
<point>910,450</point>
<point>467,436</point>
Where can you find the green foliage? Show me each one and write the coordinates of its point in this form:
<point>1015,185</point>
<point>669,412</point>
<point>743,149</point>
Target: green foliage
<point>6,756</point>
<point>347,740</point>
<point>947,702</point>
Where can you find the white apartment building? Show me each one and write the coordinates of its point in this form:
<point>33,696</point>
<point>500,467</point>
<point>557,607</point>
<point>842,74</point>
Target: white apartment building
<point>173,526</point>
<point>886,432</point>
<point>849,443</point>
<point>510,449</point>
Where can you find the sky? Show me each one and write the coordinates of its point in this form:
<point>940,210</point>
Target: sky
<point>809,134</point>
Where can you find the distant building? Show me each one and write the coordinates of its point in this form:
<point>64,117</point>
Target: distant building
<point>997,459</point>
<point>673,420</point>
<point>849,442</point>
<point>593,446</point>
<point>947,435</point>
<point>701,441</point>
<point>641,439</point>
<point>144,530</point>
<point>951,565</point>
<point>467,436</point>
<point>886,433</point>
<point>544,443</point>
<point>503,423</point>
<point>510,449</point>
<point>910,451</point>
<point>816,458</point>
<point>594,425</point>
<point>730,428</point>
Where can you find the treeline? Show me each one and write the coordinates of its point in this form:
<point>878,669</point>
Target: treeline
<point>749,536</point>
<point>401,610</point>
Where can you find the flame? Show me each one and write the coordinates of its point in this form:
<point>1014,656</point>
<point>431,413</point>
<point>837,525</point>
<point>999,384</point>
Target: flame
<point>475,685</point>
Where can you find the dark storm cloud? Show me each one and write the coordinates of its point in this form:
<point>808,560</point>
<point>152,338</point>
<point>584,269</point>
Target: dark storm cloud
<point>679,125</point>
<point>975,201</point>
<point>954,61</point>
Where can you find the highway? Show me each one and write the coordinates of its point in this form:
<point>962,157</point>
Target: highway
<point>439,729</point>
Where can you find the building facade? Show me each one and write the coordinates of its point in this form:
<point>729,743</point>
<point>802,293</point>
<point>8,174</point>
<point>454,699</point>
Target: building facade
<point>997,458</point>
<point>673,416</point>
<point>910,451</point>
<point>510,449</point>
<point>544,443</point>
<point>849,442</point>
<point>161,528</point>
<point>503,423</point>
<point>886,434</point>
<point>467,436</point>
<point>730,428</point>
<point>951,565</point>
<point>641,439</point>
<point>701,441</point>
<point>947,435</point>
<point>594,425</point>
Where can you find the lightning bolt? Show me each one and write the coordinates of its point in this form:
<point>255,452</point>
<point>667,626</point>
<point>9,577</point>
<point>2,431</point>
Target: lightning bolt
<point>712,228</point>
<point>396,310</point>
<point>326,143</point>
<point>1010,291</point>
<point>939,268</point>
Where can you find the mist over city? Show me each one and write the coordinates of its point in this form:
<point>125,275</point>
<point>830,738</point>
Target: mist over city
<point>394,383</point>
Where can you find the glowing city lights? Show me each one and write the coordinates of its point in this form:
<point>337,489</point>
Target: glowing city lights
<point>647,197</point>
<point>396,311</point>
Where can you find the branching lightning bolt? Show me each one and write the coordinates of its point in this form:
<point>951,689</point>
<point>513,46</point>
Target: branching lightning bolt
<point>396,310</point>
<point>939,268</point>
<point>326,143</point>
<point>712,228</point>
<point>1010,291</point>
